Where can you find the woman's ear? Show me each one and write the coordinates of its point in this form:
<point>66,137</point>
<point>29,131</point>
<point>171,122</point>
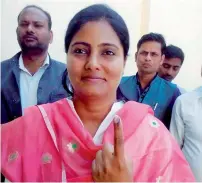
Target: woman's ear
<point>124,64</point>
<point>135,56</point>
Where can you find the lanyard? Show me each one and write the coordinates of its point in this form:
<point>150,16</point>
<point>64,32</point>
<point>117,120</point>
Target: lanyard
<point>141,95</point>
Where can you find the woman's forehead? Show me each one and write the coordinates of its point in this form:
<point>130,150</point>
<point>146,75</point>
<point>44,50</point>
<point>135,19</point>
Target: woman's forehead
<point>97,32</point>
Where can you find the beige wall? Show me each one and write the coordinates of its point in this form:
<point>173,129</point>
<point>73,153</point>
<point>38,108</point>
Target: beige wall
<point>179,20</point>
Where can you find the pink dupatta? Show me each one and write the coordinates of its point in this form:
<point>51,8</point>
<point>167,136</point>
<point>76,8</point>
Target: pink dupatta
<point>50,144</point>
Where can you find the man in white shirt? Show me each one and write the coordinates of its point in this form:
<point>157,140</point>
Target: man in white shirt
<point>30,77</point>
<point>186,127</point>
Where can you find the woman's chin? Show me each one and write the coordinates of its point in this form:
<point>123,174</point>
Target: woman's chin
<point>93,93</point>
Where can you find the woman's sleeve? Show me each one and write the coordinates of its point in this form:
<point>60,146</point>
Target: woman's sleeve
<point>19,146</point>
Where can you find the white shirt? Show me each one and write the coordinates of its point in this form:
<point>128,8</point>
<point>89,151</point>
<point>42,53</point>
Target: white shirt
<point>97,139</point>
<point>29,84</point>
<point>182,90</point>
<point>186,127</point>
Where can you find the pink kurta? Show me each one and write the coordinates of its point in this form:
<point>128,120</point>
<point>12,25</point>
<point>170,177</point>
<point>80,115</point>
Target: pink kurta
<point>49,143</point>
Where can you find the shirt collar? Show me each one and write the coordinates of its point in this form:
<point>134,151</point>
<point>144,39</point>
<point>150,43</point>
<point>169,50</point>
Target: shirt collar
<point>22,66</point>
<point>138,80</point>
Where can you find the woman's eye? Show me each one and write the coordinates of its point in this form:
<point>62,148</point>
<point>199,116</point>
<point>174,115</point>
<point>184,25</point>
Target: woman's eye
<point>80,51</point>
<point>108,53</point>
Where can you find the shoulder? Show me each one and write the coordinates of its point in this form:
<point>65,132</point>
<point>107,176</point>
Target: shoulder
<point>127,79</point>
<point>159,138</point>
<point>55,70</point>
<point>134,111</point>
<point>58,64</point>
<point>8,63</point>
<point>184,104</point>
<point>22,136</point>
<point>189,97</point>
<point>31,121</point>
<point>169,88</point>
<point>27,123</point>
<point>151,145</point>
<point>140,123</point>
<point>136,106</point>
<point>182,90</point>
<point>5,64</point>
<point>168,84</point>
<point>147,123</point>
<point>56,110</point>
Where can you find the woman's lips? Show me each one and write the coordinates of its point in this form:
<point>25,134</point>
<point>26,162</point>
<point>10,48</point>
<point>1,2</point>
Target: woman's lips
<point>93,79</point>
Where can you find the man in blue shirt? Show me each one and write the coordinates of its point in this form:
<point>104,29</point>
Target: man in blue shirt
<point>146,86</point>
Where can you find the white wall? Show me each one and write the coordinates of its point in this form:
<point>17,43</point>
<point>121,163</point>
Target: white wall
<point>180,21</point>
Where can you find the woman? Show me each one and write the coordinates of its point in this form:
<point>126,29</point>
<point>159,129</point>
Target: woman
<point>71,140</point>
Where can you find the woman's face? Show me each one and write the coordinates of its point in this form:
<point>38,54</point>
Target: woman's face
<point>95,60</point>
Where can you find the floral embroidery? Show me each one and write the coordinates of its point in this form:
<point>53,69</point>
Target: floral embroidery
<point>154,123</point>
<point>13,156</point>
<point>46,158</point>
<point>72,147</point>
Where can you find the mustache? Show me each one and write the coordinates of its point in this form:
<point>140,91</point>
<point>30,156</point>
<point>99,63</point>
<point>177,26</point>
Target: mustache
<point>169,76</point>
<point>30,36</point>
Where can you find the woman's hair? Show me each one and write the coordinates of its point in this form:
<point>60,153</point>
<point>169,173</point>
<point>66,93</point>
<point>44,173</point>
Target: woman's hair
<point>97,12</point>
